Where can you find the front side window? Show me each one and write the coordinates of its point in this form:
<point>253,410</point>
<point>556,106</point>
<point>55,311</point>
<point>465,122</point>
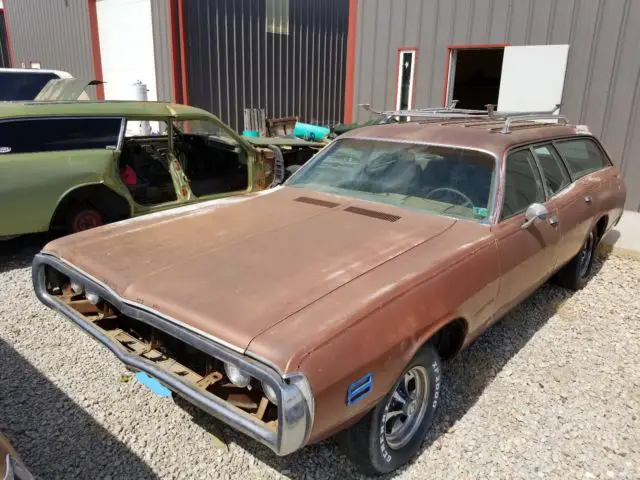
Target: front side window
<point>522,185</point>
<point>553,171</point>
<point>58,134</point>
<point>582,156</point>
<point>442,180</point>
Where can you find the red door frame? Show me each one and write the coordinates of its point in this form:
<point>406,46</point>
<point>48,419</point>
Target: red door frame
<point>6,29</point>
<point>349,82</point>
<point>413,80</point>
<point>95,47</point>
<point>178,48</point>
<point>450,48</point>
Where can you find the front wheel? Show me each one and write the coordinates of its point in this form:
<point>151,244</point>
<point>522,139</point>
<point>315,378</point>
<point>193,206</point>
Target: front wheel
<point>574,275</point>
<point>390,434</point>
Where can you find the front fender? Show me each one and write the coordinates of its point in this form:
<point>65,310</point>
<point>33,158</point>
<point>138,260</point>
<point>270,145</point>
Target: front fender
<point>383,342</point>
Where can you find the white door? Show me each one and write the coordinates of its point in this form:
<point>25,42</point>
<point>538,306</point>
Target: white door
<point>125,31</point>
<point>532,77</point>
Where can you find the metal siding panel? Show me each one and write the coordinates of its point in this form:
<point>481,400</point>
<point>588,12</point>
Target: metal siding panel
<point>427,56</point>
<point>444,38</point>
<point>602,65</point>
<point>412,24</point>
<point>54,33</point>
<point>367,55</point>
<point>162,49</point>
<point>499,21</point>
<point>380,72</point>
<point>482,11</point>
<point>580,55</point>
<point>519,24</point>
<point>463,22</point>
<point>396,40</point>
<point>561,22</point>
<point>539,22</point>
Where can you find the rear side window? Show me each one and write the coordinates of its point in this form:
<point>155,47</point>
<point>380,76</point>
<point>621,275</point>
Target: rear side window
<point>582,156</point>
<point>54,135</point>
<point>553,171</point>
<point>522,184</point>
<point>22,85</point>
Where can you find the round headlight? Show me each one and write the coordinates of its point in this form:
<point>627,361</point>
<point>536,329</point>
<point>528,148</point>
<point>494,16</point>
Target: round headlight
<point>92,297</point>
<point>237,376</point>
<point>77,288</point>
<point>270,393</point>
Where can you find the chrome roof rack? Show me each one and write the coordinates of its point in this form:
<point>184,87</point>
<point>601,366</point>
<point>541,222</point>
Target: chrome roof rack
<point>450,112</point>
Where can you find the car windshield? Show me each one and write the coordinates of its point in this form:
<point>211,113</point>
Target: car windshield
<point>202,127</point>
<point>442,180</point>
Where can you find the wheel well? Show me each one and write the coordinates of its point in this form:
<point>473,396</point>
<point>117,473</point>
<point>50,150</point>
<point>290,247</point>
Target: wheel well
<point>449,339</point>
<point>601,225</point>
<point>106,201</point>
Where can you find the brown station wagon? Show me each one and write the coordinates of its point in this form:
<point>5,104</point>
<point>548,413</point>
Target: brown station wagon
<point>327,304</point>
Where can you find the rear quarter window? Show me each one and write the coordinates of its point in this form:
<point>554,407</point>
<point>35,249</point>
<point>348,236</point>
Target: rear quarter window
<point>582,156</point>
<point>60,134</point>
<point>18,86</point>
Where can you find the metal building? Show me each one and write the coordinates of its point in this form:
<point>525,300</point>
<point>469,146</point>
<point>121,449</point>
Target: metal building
<point>320,59</point>
<point>421,53</point>
<point>285,56</point>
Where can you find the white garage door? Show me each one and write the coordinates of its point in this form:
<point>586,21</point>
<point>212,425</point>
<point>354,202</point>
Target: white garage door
<point>126,47</point>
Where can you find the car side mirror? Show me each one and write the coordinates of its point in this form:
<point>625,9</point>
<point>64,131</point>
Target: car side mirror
<point>534,212</point>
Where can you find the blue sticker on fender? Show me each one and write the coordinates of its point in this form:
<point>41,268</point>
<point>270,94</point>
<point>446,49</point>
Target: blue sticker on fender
<point>359,389</point>
<point>153,384</point>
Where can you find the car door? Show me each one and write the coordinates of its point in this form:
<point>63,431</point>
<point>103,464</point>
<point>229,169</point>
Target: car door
<point>568,199</point>
<point>527,250</point>
<point>582,158</point>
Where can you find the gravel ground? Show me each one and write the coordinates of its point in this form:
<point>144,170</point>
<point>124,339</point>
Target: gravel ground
<point>552,391</point>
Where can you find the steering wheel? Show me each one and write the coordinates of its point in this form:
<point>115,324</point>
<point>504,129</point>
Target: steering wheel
<point>453,190</point>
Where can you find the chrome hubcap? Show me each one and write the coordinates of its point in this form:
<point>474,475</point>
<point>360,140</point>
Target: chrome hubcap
<point>585,255</point>
<point>406,408</point>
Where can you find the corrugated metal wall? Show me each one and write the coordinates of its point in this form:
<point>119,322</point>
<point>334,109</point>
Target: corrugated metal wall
<point>233,63</point>
<point>52,32</point>
<point>602,86</point>
<point>162,48</point>
<point>5,61</point>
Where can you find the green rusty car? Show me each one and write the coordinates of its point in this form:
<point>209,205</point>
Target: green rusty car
<point>72,165</point>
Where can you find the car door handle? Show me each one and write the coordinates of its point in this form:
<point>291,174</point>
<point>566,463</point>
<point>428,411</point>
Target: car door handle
<point>588,199</point>
<point>553,221</point>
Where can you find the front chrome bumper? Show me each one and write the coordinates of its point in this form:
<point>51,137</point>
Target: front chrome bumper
<point>295,401</point>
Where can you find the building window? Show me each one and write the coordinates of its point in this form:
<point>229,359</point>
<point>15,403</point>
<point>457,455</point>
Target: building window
<point>278,16</point>
<point>406,68</point>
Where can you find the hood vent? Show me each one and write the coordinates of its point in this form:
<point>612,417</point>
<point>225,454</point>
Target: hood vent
<point>315,201</point>
<point>372,213</point>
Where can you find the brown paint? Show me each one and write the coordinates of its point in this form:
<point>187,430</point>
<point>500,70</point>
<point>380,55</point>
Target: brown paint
<point>95,47</point>
<point>318,286</point>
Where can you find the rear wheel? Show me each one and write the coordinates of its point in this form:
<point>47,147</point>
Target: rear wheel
<point>389,435</point>
<point>574,274</point>
<point>83,217</point>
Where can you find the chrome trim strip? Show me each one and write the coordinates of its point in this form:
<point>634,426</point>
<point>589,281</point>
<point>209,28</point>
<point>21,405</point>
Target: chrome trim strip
<point>295,415</point>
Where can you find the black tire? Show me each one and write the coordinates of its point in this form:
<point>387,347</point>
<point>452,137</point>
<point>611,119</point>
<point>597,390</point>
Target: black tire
<point>365,443</point>
<point>574,275</point>
<point>81,217</point>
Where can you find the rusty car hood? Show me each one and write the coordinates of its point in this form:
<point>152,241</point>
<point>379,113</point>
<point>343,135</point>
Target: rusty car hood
<point>235,268</point>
